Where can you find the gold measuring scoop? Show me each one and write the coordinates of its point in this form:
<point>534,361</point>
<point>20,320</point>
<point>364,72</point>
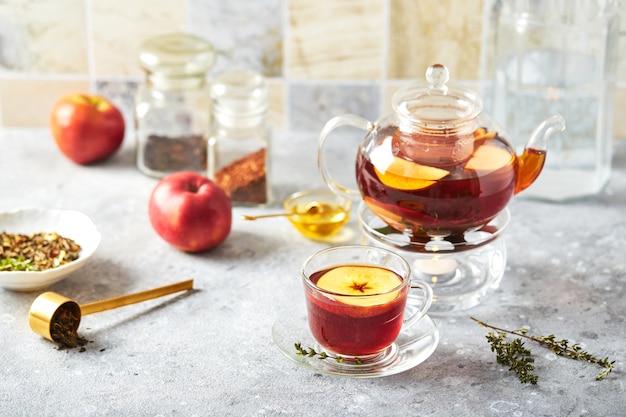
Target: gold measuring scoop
<point>56,317</point>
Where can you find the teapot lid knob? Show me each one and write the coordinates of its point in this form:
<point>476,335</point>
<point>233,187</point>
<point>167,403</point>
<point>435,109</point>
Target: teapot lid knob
<point>434,104</point>
<point>437,76</point>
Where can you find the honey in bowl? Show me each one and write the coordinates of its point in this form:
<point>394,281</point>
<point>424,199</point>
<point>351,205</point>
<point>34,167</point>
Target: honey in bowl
<point>318,214</point>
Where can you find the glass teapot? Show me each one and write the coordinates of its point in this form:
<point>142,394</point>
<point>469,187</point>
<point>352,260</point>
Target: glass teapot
<point>437,165</point>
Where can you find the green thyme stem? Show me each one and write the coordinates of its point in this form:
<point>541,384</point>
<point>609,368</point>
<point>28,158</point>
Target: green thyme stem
<point>312,353</point>
<point>559,347</point>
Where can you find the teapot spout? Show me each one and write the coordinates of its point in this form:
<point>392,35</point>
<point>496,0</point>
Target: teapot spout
<point>539,138</point>
<point>530,163</point>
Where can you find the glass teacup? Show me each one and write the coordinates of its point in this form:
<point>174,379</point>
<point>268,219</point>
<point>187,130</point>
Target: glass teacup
<point>356,299</point>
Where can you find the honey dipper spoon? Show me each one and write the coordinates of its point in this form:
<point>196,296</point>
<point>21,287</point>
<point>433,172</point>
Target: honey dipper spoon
<point>312,209</point>
<point>56,317</point>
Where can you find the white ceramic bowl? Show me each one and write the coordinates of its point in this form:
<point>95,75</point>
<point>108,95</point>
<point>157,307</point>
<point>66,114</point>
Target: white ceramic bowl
<point>67,223</point>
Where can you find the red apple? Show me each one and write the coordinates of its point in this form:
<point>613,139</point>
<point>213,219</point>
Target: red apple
<point>86,128</point>
<point>190,212</point>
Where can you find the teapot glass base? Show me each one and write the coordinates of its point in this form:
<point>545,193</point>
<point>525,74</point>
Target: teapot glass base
<point>461,273</point>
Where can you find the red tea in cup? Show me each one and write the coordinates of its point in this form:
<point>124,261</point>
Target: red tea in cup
<point>356,298</point>
<point>365,313</point>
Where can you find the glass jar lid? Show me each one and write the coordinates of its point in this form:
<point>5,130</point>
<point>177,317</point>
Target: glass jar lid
<point>239,93</point>
<point>177,55</point>
<point>435,104</point>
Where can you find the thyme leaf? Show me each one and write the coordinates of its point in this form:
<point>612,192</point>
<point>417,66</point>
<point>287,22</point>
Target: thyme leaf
<point>515,355</point>
<point>312,353</point>
<point>519,358</point>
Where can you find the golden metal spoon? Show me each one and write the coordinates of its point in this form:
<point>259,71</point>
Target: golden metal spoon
<point>312,209</point>
<point>56,317</point>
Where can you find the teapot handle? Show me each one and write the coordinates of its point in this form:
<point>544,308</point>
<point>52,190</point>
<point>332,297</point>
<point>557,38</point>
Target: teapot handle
<point>332,124</point>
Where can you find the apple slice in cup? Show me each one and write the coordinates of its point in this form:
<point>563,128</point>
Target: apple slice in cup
<point>363,285</point>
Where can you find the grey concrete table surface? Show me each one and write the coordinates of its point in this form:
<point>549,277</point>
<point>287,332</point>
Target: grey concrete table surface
<point>210,352</point>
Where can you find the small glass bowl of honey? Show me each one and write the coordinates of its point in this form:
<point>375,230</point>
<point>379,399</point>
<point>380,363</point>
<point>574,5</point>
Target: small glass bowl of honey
<point>318,214</point>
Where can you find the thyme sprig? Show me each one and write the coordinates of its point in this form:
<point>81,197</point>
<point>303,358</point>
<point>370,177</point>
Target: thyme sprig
<point>312,353</point>
<point>519,358</point>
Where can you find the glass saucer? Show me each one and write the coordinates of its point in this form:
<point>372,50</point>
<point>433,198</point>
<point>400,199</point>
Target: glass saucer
<point>413,346</point>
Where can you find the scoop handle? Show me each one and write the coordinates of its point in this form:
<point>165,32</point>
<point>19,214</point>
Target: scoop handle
<point>137,297</point>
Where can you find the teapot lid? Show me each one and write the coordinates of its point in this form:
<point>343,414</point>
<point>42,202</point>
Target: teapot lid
<point>436,105</point>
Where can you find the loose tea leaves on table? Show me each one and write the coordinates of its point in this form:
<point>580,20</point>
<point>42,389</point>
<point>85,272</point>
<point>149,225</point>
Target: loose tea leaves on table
<point>171,154</point>
<point>36,252</point>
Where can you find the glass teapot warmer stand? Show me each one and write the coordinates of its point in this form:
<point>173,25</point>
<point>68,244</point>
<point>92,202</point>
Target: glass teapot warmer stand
<point>461,274</point>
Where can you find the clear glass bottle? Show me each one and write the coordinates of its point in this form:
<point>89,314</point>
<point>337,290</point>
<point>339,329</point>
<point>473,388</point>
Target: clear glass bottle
<point>238,151</point>
<point>554,56</point>
<point>173,106</point>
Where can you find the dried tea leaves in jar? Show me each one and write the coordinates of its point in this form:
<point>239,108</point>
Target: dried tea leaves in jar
<point>171,154</point>
<point>240,136</point>
<point>245,180</point>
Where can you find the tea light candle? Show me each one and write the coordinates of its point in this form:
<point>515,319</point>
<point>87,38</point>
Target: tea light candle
<point>436,268</point>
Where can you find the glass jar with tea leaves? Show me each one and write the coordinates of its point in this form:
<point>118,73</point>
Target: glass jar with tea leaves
<point>238,154</point>
<point>173,106</point>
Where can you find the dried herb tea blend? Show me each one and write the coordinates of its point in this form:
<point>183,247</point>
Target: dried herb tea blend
<point>36,252</point>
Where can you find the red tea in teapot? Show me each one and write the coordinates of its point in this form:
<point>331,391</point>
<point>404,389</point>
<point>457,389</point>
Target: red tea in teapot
<point>437,197</point>
<point>437,165</point>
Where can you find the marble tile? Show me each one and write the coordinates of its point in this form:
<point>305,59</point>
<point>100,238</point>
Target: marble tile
<point>487,46</point>
<point>43,36</point>
<point>27,102</point>
<point>276,103</point>
<point>245,34</point>
<point>327,39</point>
<point>621,54</point>
<point>388,91</point>
<point>619,122</point>
<point>621,46</point>
<point>312,105</point>
<point>425,32</point>
<point>320,57</point>
<point>122,94</point>
<point>120,26</point>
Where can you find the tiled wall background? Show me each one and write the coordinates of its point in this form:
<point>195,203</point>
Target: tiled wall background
<point>322,57</point>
